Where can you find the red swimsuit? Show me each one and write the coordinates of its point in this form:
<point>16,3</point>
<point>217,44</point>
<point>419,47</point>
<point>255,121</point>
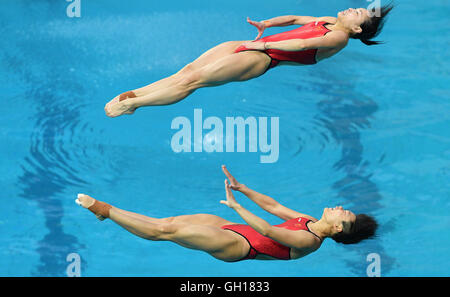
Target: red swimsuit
<point>305,57</point>
<point>260,244</point>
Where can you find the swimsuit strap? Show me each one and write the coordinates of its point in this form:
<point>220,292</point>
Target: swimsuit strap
<point>309,230</point>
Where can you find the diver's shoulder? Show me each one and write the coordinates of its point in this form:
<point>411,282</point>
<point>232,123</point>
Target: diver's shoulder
<point>328,19</point>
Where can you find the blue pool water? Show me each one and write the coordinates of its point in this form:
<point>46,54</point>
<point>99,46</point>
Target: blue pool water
<point>367,129</point>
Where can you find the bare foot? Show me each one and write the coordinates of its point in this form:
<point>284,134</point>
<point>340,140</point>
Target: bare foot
<point>119,105</point>
<point>86,202</point>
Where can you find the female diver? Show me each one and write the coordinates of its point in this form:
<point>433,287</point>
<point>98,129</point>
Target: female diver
<point>319,38</point>
<point>297,237</point>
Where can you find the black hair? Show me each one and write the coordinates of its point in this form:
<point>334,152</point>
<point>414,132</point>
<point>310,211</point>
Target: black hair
<point>373,26</point>
<point>364,227</point>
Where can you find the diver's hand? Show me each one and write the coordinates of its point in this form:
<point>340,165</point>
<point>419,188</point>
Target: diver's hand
<point>234,184</point>
<point>261,26</point>
<point>231,201</point>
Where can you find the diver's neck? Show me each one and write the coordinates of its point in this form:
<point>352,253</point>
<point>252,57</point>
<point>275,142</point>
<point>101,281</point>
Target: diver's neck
<point>320,228</point>
<point>339,27</point>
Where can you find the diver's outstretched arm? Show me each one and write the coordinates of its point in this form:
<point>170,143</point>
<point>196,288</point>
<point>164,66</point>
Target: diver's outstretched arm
<point>286,237</point>
<point>288,20</point>
<point>280,21</point>
<point>329,41</point>
<point>301,20</point>
<point>265,202</point>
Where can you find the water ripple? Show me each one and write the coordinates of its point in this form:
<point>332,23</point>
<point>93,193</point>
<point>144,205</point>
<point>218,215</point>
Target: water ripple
<point>345,117</point>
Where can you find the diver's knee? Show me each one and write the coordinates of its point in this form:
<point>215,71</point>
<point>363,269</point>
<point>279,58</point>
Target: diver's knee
<point>192,81</point>
<point>163,231</point>
<point>188,68</point>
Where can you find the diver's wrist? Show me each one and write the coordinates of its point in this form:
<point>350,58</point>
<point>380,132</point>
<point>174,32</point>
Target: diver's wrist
<point>242,188</point>
<point>236,206</point>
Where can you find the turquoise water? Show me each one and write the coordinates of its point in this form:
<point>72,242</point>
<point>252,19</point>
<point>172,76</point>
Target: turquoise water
<point>367,129</point>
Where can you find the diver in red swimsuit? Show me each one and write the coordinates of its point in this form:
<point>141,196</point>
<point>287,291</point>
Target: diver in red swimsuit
<point>265,246</point>
<point>297,237</point>
<point>305,57</point>
<point>318,38</point>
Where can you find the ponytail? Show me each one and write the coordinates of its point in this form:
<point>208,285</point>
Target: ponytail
<point>372,27</point>
<point>370,42</point>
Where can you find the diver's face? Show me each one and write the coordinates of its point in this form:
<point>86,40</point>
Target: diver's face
<point>352,18</point>
<point>341,219</point>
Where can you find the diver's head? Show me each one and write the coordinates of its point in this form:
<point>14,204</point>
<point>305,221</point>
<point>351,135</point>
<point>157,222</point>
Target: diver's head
<point>346,227</point>
<point>363,24</point>
<point>353,18</point>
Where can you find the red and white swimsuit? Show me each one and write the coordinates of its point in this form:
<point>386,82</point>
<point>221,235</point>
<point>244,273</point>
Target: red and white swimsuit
<point>260,244</point>
<point>305,57</point>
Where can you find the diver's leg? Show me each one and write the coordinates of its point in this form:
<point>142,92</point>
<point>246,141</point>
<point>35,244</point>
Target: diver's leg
<point>236,67</point>
<point>210,56</point>
<point>220,243</point>
<point>196,219</point>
